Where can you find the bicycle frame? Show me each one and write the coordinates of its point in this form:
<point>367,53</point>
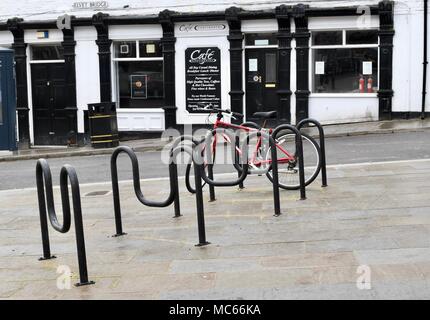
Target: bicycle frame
<point>221,124</point>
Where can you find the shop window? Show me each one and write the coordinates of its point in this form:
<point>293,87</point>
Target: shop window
<point>150,49</point>
<point>362,37</point>
<point>349,67</point>
<point>125,49</point>
<point>261,39</point>
<point>325,38</point>
<point>51,52</point>
<point>139,73</point>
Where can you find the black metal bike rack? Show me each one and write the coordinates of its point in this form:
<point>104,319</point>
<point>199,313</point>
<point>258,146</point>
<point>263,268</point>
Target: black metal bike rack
<point>299,151</point>
<point>174,187</point>
<point>200,174</point>
<point>44,187</point>
<point>299,126</point>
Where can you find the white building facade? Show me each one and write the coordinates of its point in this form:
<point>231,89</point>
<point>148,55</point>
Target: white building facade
<point>334,61</point>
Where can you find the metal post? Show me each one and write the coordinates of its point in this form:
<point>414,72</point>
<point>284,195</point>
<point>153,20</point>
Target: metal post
<point>276,198</point>
<point>69,172</point>
<point>174,185</point>
<point>42,207</point>
<point>200,206</point>
<point>116,200</point>
<point>320,128</point>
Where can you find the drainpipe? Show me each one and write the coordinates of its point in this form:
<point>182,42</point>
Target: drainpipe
<point>425,63</point>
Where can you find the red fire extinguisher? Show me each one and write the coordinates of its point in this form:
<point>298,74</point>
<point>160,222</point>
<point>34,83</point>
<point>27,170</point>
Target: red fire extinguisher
<point>361,86</point>
<point>370,85</point>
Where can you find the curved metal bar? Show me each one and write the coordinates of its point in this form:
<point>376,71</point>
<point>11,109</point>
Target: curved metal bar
<point>320,128</point>
<point>199,194</point>
<point>174,189</point>
<point>198,159</point>
<point>44,186</point>
<point>299,151</point>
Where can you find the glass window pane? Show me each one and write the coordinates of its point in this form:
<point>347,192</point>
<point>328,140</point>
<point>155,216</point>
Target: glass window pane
<point>345,70</point>
<point>362,37</point>
<point>125,49</point>
<point>327,38</point>
<point>270,67</point>
<point>149,49</point>
<point>140,84</point>
<point>47,53</point>
<point>260,39</point>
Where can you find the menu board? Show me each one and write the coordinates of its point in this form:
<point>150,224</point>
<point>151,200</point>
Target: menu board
<point>139,86</point>
<point>202,77</point>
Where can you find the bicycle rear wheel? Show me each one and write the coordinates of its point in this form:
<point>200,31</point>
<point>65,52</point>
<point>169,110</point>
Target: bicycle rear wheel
<point>289,171</point>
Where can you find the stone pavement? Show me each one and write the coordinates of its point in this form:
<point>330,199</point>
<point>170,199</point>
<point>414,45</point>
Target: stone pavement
<point>376,215</point>
<point>336,130</point>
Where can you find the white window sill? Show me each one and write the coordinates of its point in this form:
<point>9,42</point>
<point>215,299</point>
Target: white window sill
<point>139,110</point>
<point>343,95</point>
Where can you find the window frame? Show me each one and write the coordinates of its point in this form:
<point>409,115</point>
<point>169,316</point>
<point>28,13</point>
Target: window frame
<point>343,46</point>
<point>115,74</point>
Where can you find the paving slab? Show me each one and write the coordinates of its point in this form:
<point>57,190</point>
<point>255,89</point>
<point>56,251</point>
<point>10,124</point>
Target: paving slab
<point>366,217</point>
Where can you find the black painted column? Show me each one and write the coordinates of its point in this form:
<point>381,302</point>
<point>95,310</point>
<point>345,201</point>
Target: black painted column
<point>302,36</point>
<point>20,47</point>
<point>386,34</point>
<point>168,43</point>
<point>69,45</point>
<point>283,14</point>
<point>235,38</point>
<point>104,44</point>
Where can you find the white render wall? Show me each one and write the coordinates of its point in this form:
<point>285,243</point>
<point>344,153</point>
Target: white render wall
<point>87,71</point>
<point>6,38</point>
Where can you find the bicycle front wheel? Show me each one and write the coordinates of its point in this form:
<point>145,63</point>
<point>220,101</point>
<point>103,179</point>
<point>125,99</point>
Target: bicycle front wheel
<point>288,171</point>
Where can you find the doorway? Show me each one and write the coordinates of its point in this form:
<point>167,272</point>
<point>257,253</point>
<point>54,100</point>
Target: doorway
<point>261,81</point>
<point>51,123</point>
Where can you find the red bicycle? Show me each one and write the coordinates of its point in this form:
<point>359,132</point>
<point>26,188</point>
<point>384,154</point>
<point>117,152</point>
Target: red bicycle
<point>261,156</point>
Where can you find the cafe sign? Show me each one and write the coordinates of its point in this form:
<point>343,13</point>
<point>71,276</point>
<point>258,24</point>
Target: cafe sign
<point>202,77</point>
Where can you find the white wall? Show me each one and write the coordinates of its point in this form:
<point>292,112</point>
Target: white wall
<point>6,38</point>
<point>87,71</point>
<point>329,110</point>
<point>408,56</point>
<point>186,39</point>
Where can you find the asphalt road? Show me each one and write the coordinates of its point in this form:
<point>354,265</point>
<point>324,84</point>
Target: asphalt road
<point>341,150</point>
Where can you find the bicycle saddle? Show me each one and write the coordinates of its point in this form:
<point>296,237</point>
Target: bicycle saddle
<point>265,115</point>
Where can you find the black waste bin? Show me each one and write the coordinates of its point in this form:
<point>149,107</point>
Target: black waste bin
<point>103,125</point>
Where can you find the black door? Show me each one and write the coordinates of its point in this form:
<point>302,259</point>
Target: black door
<point>51,125</point>
<point>261,81</point>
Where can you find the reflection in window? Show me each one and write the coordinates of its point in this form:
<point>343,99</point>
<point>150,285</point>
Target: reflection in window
<point>349,70</point>
<point>324,38</point>
<point>47,53</point>
<point>140,84</point>
<point>362,37</point>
